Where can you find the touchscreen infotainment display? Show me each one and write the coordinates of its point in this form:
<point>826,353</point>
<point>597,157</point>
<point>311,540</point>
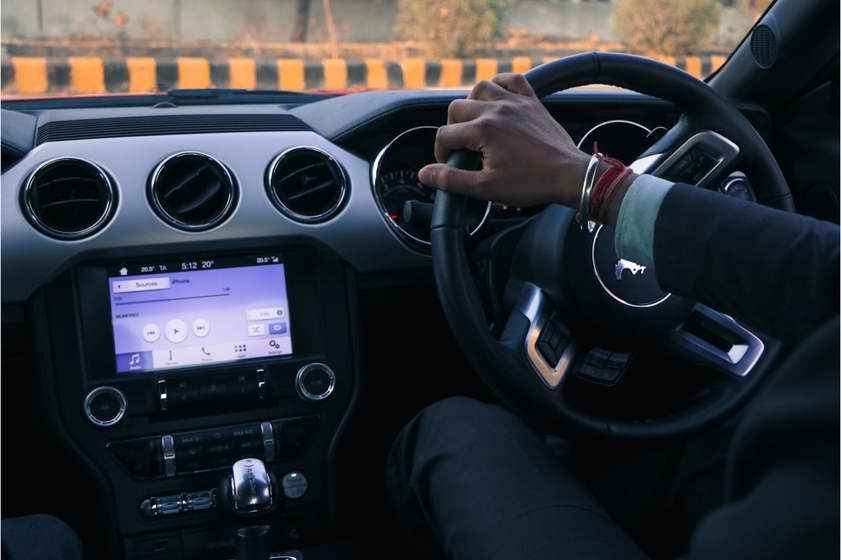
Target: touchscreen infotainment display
<point>199,312</point>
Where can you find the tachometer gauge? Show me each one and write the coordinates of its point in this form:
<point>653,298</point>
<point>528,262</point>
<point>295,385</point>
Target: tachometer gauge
<point>405,202</point>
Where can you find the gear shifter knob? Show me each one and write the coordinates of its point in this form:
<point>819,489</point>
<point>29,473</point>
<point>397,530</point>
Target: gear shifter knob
<point>251,488</point>
<point>248,489</point>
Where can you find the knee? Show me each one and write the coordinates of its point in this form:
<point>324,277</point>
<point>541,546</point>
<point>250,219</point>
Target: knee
<point>456,411</point>
<point>48,536</point>
<point>439,434</point>
<point>449,426</point>
<point>460,418</point>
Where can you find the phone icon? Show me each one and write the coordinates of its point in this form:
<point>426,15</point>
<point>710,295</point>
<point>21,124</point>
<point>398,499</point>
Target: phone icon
<point>205,352</point>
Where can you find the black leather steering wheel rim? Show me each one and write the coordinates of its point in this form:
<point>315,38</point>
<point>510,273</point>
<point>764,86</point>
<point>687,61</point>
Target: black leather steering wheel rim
<point>497,360</point>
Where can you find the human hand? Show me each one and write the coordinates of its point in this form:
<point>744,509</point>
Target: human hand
<point>527,156</point>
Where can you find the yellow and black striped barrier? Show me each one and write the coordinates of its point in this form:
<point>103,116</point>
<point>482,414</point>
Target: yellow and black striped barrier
<point>94,75</point>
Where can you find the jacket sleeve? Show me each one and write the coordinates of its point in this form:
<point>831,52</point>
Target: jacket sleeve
<point>775,270</point>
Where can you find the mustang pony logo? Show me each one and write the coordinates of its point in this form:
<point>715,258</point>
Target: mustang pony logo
<point>622,265</point>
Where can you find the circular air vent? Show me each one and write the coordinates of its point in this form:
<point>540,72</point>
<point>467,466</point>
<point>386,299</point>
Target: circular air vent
<point>69,198</point>
<point>192,191</point>
<point>763,46</point>
<point>306,184</point>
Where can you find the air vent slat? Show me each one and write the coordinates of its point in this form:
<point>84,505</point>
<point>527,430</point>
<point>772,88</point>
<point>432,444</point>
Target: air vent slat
<point>323,185</point>
<point>307,185</point>
<point>192,191</point>
<point>184,182</point>
<point>193,204</point>
<point>308,168</point>
<point>68,198</point>
<point>70,203</point>
<point>74,180</point>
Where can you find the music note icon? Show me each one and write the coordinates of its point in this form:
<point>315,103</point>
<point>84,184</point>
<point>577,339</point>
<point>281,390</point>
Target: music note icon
<point>134,361</point>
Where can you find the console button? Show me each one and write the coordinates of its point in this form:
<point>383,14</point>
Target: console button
<point>292,435</point>
<point>175,330</point>
<point>142,457</point>
<point>239,384</point>
<point>207,449</point>
<point>294,485</point>
<point>201,327</point>
<point>315,382</point>
<point>105,406</point>
<point>151,332</point>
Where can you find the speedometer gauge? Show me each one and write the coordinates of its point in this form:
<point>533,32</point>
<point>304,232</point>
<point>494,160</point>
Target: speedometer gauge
<point>405,202</point>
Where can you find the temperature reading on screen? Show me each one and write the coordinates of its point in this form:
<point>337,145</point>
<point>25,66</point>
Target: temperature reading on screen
<point>207,264</point>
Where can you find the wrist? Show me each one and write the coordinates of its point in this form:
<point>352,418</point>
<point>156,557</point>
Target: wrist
<point>570,179</point>
<point>615,203</point>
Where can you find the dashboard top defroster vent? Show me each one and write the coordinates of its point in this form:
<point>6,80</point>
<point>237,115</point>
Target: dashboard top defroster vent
<point>166,125</point>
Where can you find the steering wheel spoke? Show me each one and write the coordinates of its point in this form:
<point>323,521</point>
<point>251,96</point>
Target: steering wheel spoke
<point>701,158</point>
<point>716,341</point>
<point>548,343</point>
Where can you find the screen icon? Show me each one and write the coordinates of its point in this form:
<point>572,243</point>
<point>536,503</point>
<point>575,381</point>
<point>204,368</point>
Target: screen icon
<point>256,329</point>
<point>263,313</point>
<point>134,361</point>
<point>175,330</point>
<point>273,343</point>
<point>240,348</point>
<point>151,332</point>
<point>201,327</point>
<point>123,271</point>
<point>277,328</point>
<point>205,351</point>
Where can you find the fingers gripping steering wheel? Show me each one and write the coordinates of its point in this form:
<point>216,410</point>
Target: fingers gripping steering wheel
<point>560,285</point>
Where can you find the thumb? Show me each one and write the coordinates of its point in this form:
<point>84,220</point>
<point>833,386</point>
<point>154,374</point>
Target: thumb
<point>450,179</point>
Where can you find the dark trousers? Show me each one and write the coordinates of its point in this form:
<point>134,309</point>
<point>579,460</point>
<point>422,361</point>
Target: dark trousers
<point>488,487</point>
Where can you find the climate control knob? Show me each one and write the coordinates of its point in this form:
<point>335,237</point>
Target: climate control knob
<point>105,406</point>
<point>315,382</point>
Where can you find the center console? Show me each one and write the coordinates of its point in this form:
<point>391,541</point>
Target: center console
<point>165,371</point>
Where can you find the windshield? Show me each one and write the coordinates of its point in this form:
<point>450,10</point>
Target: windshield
<point>94,47</point>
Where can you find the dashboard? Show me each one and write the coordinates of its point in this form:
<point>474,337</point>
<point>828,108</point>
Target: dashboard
<point>191,276</point>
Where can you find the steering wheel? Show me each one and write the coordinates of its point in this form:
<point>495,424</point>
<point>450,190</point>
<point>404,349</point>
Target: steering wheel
<point>567,285</point>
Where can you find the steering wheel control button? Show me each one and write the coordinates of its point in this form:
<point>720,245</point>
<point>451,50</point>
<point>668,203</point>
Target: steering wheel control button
<point>294,485</point>
<point>175,330</point>
<point>627,282</point>
<point>105,406</point>
<point>553,340</point>
<point>151,332</point>
<point>603,366</point>
<point>315,382</point>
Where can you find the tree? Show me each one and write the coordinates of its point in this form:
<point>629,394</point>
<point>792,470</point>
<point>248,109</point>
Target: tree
<point>671,27</point>
<point>302,22</point>
<point>755,6</point>
<point>452,28</point>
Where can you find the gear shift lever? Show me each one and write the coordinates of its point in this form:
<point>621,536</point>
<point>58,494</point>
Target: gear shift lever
<point>249,492</point>
<point>251,487</point>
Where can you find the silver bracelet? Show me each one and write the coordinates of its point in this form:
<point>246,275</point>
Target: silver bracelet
<point>583,214</point>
